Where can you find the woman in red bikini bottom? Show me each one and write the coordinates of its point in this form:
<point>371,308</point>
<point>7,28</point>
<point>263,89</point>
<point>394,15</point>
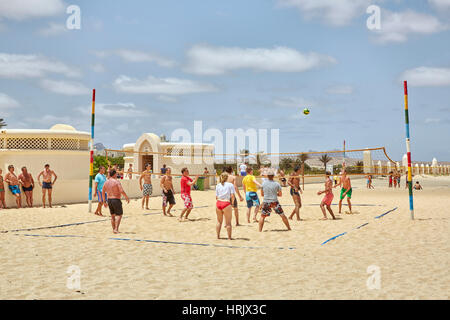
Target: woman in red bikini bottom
<point>225,196</point>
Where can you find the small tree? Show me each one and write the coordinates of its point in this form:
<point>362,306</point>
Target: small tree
<point>325,159</point>
<point>2,123</point>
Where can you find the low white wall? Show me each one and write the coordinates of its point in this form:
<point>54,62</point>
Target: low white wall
<point>64,192</point>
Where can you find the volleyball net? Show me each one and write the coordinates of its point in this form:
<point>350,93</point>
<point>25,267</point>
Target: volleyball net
<point>367,161</point>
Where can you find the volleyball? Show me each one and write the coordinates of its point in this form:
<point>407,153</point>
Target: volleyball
<point>306,111</point>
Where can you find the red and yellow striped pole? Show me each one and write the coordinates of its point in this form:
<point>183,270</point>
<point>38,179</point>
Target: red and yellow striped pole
<point>91,157</point>
<point>408,151</point>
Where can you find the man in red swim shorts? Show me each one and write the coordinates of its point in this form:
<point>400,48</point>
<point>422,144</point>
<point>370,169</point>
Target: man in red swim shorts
<point>186,184</point>
<point>328,199</point>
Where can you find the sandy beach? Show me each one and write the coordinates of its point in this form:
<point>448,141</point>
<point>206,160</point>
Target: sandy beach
<point>184,260</point>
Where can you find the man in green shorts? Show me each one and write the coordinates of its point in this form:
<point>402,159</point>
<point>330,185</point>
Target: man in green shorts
<point>346,190</point>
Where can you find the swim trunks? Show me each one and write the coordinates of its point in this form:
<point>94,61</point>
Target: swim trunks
<point>168,197</point>
<point>147,189</point>
<point>187,201</point>
<point>243,173</point>
<point>115,206</point>
<point>100,196</point>
<point>293,192</point>
<point>328,199</point>
<point>252,199</point>
<point>47,185</point>
<point>30,188</point>
<point>349,193</point>
<point>14,189</point>
<point>268,206</point>
<point>222,204</point>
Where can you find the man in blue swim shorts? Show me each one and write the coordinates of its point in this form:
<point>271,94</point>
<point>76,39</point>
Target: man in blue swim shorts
<point>250,188</point>
<point>13,185</point>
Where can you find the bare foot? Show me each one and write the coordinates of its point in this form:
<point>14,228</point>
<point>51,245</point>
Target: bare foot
<point>324,218</point>
<point>169,214</point>
<point>147,208</point>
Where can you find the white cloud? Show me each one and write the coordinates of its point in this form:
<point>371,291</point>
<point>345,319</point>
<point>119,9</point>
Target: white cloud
<point>432,120</point>
<point>340,89</point>
<point>440,4</point>
<point>137,56</point>
<point>293,102</point>
<point>69,88</point>
<point>397,26</point>
<point>7,103</point>
<point>16,66</point>
<point>163,86</point>
<point>427,77</point>
<point>115,110</point>
<point>209,60</point>
<point>331,12</point>
<point>25,9</point>
<point>53,29</point>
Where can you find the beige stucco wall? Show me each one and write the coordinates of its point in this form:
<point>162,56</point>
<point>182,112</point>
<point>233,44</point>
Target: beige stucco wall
<point>71,167</point>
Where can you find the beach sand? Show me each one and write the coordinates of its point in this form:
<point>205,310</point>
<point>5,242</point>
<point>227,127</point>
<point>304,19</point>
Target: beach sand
<point>412,256</point>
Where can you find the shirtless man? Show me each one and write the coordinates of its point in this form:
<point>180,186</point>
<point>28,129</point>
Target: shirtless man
<point>2,191</point>
<point>147,189</point>
<point>130,171</point>
<point>282,177</point>
<point>234,204</point>
<point>294,183</point>
<point>328,199</point>
<point>13,185</point>
<point>27,182</point>
<point>47,183</point>
<point>167,192</point>
<point>346,190</point>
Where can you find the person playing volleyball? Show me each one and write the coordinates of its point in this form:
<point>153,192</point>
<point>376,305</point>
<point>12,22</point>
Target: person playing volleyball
<point>234,203</point>
<point>328,199</point>
<point>225,196</point>
<point>186,184</point>
<point>294,183</point>
<point>271,190</point>
<point>250,188</point>
<point>346,190</point>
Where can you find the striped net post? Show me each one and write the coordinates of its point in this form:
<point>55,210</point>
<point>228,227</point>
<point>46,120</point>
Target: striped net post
<point>91,155</point>
<point>408,151</point>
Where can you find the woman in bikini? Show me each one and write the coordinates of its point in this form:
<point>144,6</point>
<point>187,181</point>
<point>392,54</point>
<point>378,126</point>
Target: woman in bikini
<point>225,197</point>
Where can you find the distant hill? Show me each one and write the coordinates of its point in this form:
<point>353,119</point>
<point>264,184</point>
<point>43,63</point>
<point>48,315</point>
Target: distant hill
<point>99,146</point>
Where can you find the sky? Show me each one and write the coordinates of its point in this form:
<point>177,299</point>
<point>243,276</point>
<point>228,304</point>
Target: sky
<point>161,65</point>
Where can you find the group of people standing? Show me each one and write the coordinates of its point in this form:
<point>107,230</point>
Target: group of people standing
<point>109,191</point>
<point>24,182</point>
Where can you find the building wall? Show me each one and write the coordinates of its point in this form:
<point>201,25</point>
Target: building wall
<point>71,167</point>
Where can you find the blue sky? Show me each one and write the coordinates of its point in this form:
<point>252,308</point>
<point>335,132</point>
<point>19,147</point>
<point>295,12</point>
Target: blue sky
<point>160,65</point>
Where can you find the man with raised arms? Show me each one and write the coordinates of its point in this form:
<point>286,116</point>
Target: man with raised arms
<point>167,192</point>
<point>147,188</point>
<point>47,184</point>
<point>294,183</point>
<point>27,182</point>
